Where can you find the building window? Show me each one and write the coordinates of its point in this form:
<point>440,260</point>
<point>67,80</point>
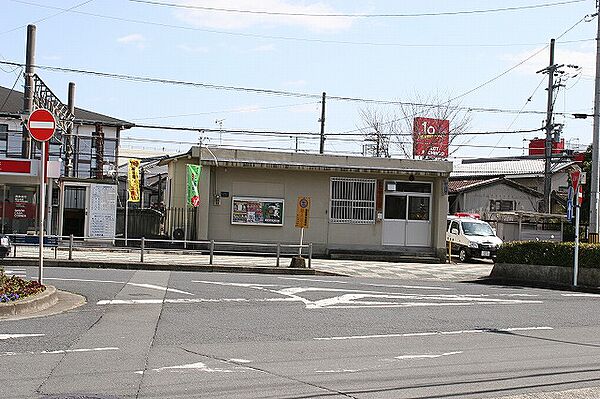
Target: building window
<point>502,205</point>
<point>3,140</point>
<point>352,200</point>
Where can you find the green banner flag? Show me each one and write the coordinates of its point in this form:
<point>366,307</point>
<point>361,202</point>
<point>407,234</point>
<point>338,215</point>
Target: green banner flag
<point>193,179</point>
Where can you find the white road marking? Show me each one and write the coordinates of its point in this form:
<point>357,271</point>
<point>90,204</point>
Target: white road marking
<point>192,366</point>
<point>240,360</point>
<point>337,371</point>
<point>150,286</point>
<point>61,351</point>
<point>314,279</point>
<point>423,334</point>
<point>410,357</point>
<point>582,294</point>
<point>245,285</point>
<point>9,336</point>
<point>187,300</point>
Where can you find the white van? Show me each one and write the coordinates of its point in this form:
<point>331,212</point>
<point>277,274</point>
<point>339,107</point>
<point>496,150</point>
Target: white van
<point>470,237</point>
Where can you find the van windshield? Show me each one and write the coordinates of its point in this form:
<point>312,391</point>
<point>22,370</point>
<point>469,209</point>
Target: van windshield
<point>477,229</point>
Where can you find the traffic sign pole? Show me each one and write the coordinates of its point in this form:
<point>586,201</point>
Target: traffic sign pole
<point>42,211</point>
<point>41,126</point>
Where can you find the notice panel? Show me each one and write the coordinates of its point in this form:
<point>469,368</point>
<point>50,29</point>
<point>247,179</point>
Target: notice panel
<point>257,211</point>
<point>103,210</point>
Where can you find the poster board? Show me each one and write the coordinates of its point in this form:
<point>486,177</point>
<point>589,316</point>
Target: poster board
<point>103,210</point>
<point>257,211</point>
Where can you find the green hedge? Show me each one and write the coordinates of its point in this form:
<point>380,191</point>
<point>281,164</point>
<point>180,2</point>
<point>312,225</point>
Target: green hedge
<point>549,253</point>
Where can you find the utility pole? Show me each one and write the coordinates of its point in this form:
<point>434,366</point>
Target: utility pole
<point>322,120</point>
<point>26,148</point>
<point>70,152</point>
<point>550,70</point>
<point>595,178</point>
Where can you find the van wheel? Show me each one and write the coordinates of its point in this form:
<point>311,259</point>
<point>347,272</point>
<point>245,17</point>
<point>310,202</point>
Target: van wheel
<point>463,255</point>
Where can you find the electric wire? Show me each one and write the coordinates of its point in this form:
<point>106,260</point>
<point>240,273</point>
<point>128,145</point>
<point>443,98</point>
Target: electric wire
<point>337,15</point>
<point>62,11</point>
<point>275,37</point>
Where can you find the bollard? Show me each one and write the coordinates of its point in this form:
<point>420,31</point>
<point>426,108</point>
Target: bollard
<point>142,245</point>
<point>15,250</point>
<point>278,253</point>
<point>56,251</point>
<point>310,250</point>
<point>212,252</point>
<point>71,247</point>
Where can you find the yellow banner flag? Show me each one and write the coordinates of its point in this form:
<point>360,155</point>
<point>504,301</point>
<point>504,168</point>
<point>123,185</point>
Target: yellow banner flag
<point>133,180</point>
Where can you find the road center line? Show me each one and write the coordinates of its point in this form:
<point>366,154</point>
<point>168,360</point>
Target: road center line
<point>410,357</point>
<point>431,333</point>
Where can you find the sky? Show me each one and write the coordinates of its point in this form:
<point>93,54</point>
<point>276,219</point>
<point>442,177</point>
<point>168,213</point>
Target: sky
<point>396,51</point>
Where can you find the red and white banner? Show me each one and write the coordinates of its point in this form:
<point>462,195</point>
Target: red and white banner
<point>431,137</point>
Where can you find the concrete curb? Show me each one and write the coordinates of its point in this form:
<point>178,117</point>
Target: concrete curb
<point>31,304</point>
<point>24,262</point>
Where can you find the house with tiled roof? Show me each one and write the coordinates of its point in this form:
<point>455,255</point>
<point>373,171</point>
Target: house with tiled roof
<point>495,185</point>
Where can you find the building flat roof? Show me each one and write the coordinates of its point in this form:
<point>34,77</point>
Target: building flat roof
<point>227,157</point>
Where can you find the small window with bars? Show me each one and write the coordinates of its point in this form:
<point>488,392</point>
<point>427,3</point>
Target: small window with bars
<point>502,206</point>
<point>352,200</point>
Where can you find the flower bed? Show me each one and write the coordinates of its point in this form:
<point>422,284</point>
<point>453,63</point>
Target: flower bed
<point>13,288</point>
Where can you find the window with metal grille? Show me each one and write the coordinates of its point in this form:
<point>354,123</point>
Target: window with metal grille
<point>352,200</point>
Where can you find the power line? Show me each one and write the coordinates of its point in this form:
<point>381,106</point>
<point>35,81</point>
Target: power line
<point>282,93</point>
<point>337,15</point>
<point>62,11</point>
<point>274,37</point>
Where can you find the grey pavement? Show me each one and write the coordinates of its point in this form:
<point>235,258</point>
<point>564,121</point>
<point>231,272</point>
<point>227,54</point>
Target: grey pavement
<point>353,268</point>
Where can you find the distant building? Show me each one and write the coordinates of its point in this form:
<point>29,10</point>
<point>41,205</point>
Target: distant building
<point>78,203</point>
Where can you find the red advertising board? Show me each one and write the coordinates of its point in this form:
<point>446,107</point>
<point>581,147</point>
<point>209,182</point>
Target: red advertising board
<point>431,137</point>
<point>15,166</point>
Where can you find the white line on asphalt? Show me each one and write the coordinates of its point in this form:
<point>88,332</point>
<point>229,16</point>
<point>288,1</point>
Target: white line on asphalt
<point>187,300</point>
<point>240,360</point>
<point>192,366</point>
<point>338,371</point>
<point>9,336</point>
<point>151,286</point>
<point>582,294</point>
<point>421,287</point>
<point>423,334</point>
<point>245,285</point>
<point>314,279</point>
<point>410,357</point>
<point>61,351</point>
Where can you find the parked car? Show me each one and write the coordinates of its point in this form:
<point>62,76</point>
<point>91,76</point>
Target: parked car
<point>469,237</point>
<point>4,245</point>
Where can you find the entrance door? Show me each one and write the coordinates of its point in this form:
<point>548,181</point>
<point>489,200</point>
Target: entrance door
<point>418,224</point>
<point>74,211</point>
<point>394,220</point>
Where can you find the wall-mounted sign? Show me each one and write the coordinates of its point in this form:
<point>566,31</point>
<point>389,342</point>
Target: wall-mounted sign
<point>15,166</point>
<point>257,211</point>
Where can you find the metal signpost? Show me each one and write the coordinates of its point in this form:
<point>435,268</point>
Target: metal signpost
<point>577,179</point>
<point>41,126</point>
<point>302,212</point>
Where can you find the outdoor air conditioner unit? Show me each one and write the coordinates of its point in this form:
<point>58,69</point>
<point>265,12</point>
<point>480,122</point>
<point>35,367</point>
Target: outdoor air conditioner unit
<point>178,233</point>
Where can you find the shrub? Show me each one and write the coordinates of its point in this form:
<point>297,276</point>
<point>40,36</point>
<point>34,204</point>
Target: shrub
<point>548,253</point>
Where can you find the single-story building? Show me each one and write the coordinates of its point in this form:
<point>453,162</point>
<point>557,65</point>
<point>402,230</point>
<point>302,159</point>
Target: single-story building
<point>356,203</point>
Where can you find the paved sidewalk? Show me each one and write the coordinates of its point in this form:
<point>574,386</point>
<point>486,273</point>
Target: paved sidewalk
<point>421,271</point>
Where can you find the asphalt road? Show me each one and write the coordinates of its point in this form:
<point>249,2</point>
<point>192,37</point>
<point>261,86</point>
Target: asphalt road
<point>208,335</point>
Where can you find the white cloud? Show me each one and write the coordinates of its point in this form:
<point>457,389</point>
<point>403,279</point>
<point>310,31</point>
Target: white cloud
<point>583,58</point>
<point>238,21</point>
<point>192,49</point>
<point>134,39</point>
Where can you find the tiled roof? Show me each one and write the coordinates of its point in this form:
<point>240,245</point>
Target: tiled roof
<point>460,185</point>
<point>13,105</point>
<point>506,168</point>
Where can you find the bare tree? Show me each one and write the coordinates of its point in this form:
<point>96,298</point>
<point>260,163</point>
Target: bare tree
<point>394,128</point>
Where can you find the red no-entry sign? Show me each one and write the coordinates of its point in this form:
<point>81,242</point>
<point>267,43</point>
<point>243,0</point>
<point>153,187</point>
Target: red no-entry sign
<point>41,124</point>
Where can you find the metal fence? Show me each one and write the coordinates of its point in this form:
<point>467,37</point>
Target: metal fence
<point>145,246</point>
<point>166,223</point>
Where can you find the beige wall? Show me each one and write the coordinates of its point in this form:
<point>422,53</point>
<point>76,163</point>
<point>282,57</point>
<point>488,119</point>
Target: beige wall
<point>214,221</point>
